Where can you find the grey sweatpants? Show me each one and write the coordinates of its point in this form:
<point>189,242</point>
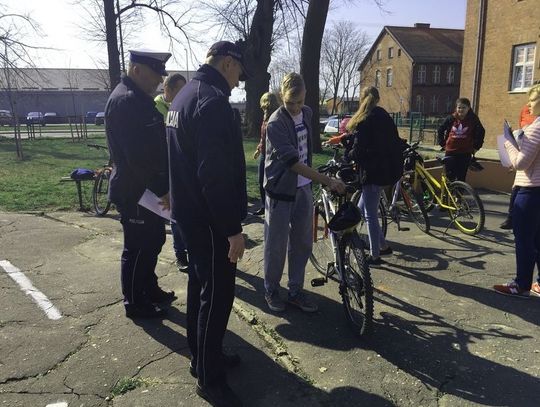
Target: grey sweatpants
<point>287,232</point>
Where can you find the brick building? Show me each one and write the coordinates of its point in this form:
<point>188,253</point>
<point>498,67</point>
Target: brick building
<point>417,69</point>
<point>500,59</point>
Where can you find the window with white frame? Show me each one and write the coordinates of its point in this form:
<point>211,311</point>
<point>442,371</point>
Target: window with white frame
<point>378,55</point>
<point>435,104</point>
<point>421,74</point>
<point>389,77</point>
<point>419,103</point>
<point>449,104</point>
<point>377,78</point>
<point>450,74</point>
<point>390,52</point>
<point>523,66</point>
<point>437,74</point>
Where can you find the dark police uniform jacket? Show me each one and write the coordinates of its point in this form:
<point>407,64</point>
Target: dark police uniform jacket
<point>137,144</point>
<point>207,163</point>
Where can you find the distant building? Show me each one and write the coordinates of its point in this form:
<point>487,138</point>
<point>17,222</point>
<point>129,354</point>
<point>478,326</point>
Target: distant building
<point>415,68</point>
<point>500,59</point>
<point>67,92</point>
<point>342,105</point>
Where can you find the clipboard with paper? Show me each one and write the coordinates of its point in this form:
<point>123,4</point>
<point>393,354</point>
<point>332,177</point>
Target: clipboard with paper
<point>506,136</point>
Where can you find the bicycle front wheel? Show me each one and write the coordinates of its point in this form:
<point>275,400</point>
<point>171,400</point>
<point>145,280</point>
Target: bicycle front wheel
<point>469,215</point>
<point>100,193</point>
<point>415,207</point>
<point>356,287</point>
<point>322,253</point>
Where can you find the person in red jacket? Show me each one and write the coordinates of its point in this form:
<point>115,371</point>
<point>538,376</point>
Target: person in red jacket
<point>461,135</point>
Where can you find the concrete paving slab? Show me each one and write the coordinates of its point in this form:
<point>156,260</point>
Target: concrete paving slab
<point>441,338</point>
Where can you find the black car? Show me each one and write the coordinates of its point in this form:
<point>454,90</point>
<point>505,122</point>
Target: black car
<point>90,117</point>
<point>6,118</point>
<point>35,118</point>
<point>50,118</point>
<point>100,118</point>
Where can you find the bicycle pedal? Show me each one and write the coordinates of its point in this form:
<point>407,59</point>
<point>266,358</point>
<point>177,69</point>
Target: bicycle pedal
<point>317,282</point>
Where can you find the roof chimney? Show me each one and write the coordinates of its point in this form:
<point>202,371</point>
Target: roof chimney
<point>421,25</point>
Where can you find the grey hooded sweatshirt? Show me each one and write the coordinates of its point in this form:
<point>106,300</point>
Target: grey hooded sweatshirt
<point>282,153</point>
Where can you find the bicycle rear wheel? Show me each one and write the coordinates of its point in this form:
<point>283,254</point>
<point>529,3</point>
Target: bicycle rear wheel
<point>415,207</point>
<point>100,192</point>
<point>382,215</point>
<point>356,287</point>
<point>469,217</point>
<point>322,253</point>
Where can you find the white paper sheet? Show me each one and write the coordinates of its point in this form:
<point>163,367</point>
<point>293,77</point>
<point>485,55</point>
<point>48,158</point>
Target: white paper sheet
<point>509,136</point>
<point>151,202</point>
<point>503,154</point>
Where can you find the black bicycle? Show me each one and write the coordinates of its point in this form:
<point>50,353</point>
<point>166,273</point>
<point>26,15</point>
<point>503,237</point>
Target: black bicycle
<point>100,192</point>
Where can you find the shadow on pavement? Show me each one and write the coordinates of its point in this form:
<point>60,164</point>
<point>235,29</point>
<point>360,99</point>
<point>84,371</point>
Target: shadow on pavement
<point>438,354</point>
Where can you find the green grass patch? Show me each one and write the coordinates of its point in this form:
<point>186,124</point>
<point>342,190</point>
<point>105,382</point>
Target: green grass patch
<point>33,184</point>
<point>126,384</point>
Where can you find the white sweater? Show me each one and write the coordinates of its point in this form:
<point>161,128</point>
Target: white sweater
<point>527,160</point>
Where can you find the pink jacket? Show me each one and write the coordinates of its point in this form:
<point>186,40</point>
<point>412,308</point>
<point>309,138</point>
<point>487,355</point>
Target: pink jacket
<point>527,160</point>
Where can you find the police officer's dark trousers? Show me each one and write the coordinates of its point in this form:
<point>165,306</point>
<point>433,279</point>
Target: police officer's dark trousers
<point>144,235</point>
<point>209,300</point>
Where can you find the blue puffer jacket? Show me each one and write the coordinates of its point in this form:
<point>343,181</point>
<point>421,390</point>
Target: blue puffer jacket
<point>207,163</point>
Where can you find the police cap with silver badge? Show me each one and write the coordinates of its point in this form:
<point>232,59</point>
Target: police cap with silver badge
<point>228,48</point>
<point>153,59</point>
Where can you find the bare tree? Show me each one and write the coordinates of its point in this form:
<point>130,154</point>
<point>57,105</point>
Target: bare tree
<point>343,48</point>
<point>310,58</point>
<point>14,52</point>
<point>172,16</point>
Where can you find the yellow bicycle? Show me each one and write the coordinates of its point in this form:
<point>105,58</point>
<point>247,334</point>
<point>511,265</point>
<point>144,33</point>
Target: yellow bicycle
<point>458,198</point>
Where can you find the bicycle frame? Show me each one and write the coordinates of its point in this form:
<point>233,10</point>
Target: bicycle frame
<point>329,210</point>
<point>437,189</point>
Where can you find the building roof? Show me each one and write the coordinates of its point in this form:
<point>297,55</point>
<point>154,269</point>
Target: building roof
<point>424,44</point>
<point>59,79</point>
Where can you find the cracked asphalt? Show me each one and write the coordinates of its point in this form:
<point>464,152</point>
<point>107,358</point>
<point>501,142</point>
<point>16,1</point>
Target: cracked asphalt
<point>441,337</point>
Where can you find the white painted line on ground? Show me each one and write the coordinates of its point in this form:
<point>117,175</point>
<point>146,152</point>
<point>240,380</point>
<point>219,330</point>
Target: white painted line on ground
<point>59,404</point>
<point>26,286</point>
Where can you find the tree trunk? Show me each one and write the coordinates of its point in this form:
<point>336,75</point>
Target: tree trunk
<point>112,43</point>
<point>310,60</point>
<point>258,50</point>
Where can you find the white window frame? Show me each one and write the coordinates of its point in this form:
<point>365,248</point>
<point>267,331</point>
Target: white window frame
<point>437,74</point>
<point>449,104</point>
<point>451,74</point>
<point>379,57</point>
<point>377,78</point>
<point>421,74</point>
<point>521,82</point>
<point>435,104</point>
<point>389,77</point>
<point>390,52</point>
<point>420,103</point>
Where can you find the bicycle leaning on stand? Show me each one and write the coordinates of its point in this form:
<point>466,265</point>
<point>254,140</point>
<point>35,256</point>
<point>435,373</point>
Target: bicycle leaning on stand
<point>100,191</point>
<point>338,252</point>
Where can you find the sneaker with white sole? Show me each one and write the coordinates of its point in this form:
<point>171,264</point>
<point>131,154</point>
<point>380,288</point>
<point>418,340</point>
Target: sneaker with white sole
<point>535,289</point>
<point>275,303</point>
<point>302,301</point>
<point>511,289</point>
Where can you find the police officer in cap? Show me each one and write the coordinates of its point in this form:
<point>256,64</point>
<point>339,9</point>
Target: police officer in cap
<point>209,202</point>
<point>138,148</point>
